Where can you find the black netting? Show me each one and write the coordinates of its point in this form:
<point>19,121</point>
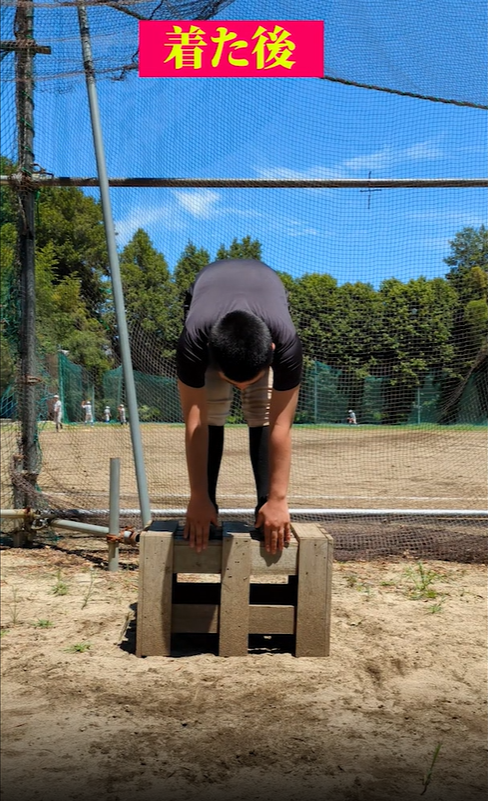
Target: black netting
<point>387,287</point>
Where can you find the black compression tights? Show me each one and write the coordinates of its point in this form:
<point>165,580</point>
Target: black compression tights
<point>215,449</point>
<point>258,450</point>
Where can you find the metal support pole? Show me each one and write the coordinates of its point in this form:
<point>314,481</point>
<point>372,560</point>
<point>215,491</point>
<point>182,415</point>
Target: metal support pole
<point>315,397</point>
<point>82,528</point>
<point>24,30</point>
<point>61,387</point>
<point>13,514</point>
<point>113,258</point>
<point>114,517</point>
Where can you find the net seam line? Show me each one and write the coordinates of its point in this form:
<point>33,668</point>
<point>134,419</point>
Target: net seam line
<point>418,96</point>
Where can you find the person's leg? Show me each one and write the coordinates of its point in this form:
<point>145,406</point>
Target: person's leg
<point>255,406</point>
<point>215,451</point>
<point>219,398</point>
<point>258,450</point>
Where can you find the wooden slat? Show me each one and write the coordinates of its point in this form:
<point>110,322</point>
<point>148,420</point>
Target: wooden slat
<point>186,560</point>
<point>328,590</point>
<point>155,585</point>
<point>204,619</point>
<point>283,563</point>
<point>234,599</point>
<point>271,619</point>
<point>314,580</point>
<point>195,619</point>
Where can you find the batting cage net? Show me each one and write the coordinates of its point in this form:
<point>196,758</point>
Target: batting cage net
<point>364,189</point>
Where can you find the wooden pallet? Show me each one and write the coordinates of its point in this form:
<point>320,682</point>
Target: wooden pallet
<point>236,607</point>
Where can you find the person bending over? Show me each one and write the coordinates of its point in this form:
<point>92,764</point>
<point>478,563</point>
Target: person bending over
<point>238,332</point>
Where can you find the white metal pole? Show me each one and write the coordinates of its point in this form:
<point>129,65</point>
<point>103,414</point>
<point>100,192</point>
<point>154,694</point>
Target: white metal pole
<point>130,388</point>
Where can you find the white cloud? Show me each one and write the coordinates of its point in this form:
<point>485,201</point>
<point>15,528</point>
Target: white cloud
<point>458,218</point>
<point>379,160</point>
<point>199,203</point>
<point>439,244</point>
<point>317,173</point>
<point>390,157</point>
<point>304,232</point>
<point>144,217</point>
<point>203,204</point>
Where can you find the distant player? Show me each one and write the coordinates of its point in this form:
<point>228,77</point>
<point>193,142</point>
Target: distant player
<point>121,414</point>
<point>351,418</point>
<point>87,407</point>
<point>106,414</point>
<point>58,413</point>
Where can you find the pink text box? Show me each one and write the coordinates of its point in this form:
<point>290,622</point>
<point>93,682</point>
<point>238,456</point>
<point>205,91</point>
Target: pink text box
<point>231,49</point>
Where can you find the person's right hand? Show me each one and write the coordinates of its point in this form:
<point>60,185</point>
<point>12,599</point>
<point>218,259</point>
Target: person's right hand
<point>199,514</point>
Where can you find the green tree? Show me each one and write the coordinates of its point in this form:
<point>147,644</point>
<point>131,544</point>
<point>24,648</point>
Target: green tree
<point>287,280</point>
<point>8,204</point>
<point>355,344</point>
<point>72,222</point>
<point>7,364</point>
<point>187,268</point>
<point>247,248</point>
<point>468,275</point>
<point>9,288</point>
<point>150,299</point>
<point>314,311</point>
<point>64,319</point>
<point>468,261</point>
<point>416,338</point>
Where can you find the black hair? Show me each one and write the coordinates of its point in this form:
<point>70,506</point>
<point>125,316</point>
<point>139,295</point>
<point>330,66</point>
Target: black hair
<point>240,343</point>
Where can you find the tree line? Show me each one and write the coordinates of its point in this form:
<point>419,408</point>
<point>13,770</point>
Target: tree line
<point>400,332</point>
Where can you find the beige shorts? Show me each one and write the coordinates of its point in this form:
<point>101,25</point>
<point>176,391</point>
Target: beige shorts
<point>255,399</point>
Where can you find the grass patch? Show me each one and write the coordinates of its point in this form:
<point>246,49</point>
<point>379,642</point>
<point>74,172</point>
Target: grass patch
<point>78,648</point>
<point>421,582</point>
<point>89,589</point>
<point>14,607</point>
<point>437,607</point>
<point>428,775</point>
<point>358,584</point>
<point>60,588</point>
<point>43,624</point>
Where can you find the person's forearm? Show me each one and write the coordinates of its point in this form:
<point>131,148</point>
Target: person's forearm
<point>279,462</point>
<point>196,441</point>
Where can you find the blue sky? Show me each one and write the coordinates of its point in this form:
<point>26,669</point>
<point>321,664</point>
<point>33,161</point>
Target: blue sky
<point>279,128</point>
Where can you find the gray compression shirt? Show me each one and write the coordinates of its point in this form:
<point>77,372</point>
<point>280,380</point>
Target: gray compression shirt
<point>238,285</point>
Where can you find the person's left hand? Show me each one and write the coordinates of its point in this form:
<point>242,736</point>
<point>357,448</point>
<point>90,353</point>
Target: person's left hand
<point>274,519</point>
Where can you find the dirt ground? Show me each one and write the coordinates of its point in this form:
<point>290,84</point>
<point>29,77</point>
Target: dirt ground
<point>333,467</point>
<point>84,718</point>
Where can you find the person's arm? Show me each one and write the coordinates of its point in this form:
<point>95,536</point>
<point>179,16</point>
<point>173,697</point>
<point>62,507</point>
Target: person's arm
<point>201,511</point>
<point>274,516</point>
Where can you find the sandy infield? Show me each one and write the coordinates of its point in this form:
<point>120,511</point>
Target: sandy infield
<point>84,718</point>
<point>335,467</point>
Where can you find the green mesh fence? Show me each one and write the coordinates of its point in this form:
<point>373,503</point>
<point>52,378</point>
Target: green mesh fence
<point>158,399</point>
<point>326,396</point>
